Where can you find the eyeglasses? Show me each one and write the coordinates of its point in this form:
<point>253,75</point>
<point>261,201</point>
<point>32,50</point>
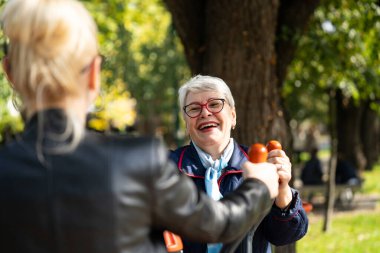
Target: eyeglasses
<point>213,105</point>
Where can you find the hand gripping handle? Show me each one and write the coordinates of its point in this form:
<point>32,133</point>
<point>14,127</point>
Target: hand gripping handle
<point>257,153</point>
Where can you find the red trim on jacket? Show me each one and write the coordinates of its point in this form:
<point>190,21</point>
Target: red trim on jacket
<point>179,165</point>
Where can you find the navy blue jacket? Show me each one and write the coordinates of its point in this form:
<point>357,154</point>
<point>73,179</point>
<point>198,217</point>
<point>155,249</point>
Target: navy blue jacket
<point>278,227</point>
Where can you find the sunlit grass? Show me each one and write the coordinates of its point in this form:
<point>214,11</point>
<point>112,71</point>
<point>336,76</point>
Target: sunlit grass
<point>371,181</point>
<point>350,232</point>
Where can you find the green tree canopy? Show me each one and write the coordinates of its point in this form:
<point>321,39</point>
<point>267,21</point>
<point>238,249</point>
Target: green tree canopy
<point>143,62</point>
<point>143,52</point>
<point>340,50</point>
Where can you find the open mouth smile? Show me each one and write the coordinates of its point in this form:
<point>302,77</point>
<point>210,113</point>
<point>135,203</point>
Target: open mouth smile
<point>207,125</point>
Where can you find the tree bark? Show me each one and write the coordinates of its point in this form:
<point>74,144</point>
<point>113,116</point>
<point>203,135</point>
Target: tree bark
<point>235,40</point>
<point>370,136</point>
<point>349,118</point>
<point>330,192</point>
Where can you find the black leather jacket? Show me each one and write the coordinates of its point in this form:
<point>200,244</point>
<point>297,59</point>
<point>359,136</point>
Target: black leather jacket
<point>112,194</point>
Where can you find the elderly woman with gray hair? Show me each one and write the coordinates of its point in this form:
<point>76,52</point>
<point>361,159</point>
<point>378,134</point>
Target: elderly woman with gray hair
<point>213,160</point>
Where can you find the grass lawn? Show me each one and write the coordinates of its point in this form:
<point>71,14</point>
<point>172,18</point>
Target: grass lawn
<point>349,232</point>
<point>354,231</point>
<point>371,181</point>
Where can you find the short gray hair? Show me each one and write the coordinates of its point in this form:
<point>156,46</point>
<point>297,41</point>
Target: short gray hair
<point>201,83</point>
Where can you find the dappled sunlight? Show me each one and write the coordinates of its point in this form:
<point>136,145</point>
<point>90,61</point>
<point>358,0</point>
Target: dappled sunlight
<point>114,109</point>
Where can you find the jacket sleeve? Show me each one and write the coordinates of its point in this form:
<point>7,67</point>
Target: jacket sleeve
<point>283,227</point>
<point>182,209</point>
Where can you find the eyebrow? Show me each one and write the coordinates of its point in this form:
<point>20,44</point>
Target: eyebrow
<point>196,102</point>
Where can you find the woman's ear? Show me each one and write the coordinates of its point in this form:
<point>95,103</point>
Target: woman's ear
<point>94,78</point>
<point>233,123</point>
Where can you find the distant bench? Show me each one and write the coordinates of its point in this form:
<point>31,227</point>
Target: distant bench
<point>344,193</point>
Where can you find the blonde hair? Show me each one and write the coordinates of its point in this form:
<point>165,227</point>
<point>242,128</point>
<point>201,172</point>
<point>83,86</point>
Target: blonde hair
<point>51,42</point>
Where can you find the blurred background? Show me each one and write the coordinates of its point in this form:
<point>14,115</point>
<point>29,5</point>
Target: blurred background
<point>304,72</point>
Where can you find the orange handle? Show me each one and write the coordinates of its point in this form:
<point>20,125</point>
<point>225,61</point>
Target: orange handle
<point>272,144</point>
<point>172,241</point>
<point>257,153</point>
<point>308,207</point>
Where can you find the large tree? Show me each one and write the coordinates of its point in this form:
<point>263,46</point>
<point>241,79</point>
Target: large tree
<point>249,44</point>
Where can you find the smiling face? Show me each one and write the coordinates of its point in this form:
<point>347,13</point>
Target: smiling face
<point>211,132</point>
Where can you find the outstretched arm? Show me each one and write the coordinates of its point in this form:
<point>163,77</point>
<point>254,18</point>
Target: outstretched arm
<point>183,210</point>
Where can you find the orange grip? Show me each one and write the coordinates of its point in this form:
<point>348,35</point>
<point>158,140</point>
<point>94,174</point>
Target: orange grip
<point>257,153</point>
<point>273,144</point>
<point>172,241</point>
<point>308,207</point>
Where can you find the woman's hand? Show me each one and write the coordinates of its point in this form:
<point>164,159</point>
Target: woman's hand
<point>284,169</point>
<point>265,172</point>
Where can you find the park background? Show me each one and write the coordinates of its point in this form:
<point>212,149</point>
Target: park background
<point>306,73</point>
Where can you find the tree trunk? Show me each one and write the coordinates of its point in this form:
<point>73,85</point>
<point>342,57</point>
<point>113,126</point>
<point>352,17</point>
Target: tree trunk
<point>234,40</point>
<point>370,135</point>
<point>349,118</point>
<point>330,192</point>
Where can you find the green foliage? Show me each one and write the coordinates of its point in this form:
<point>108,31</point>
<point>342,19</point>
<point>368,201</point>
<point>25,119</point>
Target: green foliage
<point>113,110</point>
<point>143,62</point>
<point>143,52</point>
<point>10,119</point>
<point>113,38</point>
<point>339,50</point>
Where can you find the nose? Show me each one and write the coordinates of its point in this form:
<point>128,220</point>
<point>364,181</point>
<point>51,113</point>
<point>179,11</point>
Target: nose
<point>204,111</point>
